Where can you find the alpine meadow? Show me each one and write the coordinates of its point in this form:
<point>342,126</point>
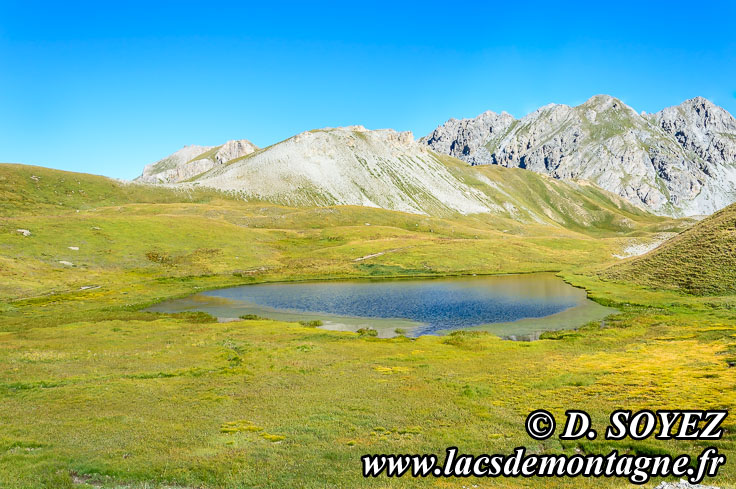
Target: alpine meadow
<point>265,313</point>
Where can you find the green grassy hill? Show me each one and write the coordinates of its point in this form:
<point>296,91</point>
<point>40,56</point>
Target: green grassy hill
<point>26,189</point>
<point>700,260</point>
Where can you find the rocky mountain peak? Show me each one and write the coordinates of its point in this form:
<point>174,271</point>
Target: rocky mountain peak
<point>603,101</point>
<point>349,133</point>
<point>388,169</point>
<point>348,166</point>
<point>193,160</point>
<point>235,149</point>
<point>465,138</point>
<point>680,161</point>
<point>701,112</point>
<point>704,129</point>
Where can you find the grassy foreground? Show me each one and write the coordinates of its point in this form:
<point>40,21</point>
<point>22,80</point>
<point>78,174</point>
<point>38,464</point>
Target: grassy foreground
<point>96,392</point>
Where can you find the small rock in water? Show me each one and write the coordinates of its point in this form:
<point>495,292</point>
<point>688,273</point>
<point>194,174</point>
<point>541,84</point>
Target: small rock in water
<point>24,232</point>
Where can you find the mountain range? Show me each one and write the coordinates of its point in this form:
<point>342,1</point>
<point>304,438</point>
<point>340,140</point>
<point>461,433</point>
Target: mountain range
<point>391,170</point>
<point>680,161</point>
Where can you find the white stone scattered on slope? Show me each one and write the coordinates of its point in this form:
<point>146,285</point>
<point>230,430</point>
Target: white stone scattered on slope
<point>24,232</point>
<point>74,248</point>
<point>639,247</point>
<point>67,263</point>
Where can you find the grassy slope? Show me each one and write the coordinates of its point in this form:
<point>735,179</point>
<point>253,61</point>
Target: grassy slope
<point>577,206</point>
<point>28,189</point>
<point>700,260</point>
<point>92,387</point>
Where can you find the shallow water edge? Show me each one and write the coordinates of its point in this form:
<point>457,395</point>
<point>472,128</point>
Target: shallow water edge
<point>519,306</point>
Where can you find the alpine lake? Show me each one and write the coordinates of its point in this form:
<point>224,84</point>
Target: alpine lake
<point>516,307</point>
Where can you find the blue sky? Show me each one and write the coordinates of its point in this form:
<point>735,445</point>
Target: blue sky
<point>106,89</point>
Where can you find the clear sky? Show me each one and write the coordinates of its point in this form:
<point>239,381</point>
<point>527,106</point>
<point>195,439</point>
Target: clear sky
<point>106,89</point>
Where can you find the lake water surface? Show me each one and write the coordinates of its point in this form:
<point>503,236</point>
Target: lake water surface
<point>512,306</point>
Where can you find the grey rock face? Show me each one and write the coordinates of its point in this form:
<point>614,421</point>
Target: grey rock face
<point>169,169</point>
<point>191,161</point>
<point>680,161</point>
<point>233,150</point>
<point>466,139</point>
<point>702,127</point>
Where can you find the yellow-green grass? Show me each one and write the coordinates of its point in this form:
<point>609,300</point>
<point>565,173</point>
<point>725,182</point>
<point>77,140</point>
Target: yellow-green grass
<point>268,404</point>
<point>701,260</point>
<point>94,390</point>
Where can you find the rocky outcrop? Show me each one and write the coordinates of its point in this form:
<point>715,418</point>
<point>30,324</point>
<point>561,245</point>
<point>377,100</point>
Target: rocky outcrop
<point>170,169</point>
<point>233,150</point>
<point>680,161</point>
<point>466,139</point>
<point>191,161</point>
<point>702,127</point>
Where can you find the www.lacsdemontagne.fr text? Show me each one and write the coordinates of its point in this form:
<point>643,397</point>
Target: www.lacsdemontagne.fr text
<point>638,469</point>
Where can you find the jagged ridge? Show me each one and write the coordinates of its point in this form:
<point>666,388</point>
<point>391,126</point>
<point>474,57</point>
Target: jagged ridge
<point>680,161</point>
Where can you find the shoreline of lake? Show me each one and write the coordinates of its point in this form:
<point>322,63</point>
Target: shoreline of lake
<point>522,306</point>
